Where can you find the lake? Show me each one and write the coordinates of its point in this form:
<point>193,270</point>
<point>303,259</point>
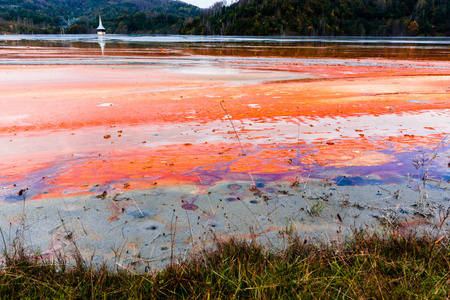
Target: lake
<point>124,133</point>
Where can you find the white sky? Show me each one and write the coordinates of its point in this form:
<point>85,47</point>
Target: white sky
<point>202,3</point>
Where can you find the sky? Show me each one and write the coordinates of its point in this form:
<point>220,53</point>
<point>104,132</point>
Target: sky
<point>202,3</point>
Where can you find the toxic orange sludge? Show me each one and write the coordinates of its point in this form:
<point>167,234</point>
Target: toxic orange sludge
<point>75,129</point>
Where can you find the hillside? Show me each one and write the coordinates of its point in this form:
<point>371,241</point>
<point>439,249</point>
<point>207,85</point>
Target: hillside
<point>325,17</point>
<point>81,16</point>
<point>245,17</point>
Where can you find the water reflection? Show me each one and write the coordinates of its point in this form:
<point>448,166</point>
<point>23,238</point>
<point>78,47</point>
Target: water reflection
<point>300,47</point>
<point>102,43</point>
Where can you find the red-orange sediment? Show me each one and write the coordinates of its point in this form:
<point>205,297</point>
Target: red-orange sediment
<point>42,102</point>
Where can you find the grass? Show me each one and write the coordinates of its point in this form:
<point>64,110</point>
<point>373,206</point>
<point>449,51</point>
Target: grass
<point>316,209</point>
<point>367,266</point>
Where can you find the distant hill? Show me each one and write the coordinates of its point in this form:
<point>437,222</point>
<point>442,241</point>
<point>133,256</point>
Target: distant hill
<point>325,18</point>
<point>81,16</point>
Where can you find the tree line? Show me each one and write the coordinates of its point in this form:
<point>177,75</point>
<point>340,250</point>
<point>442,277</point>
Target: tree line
<point>81,16</point>
<point>245,17</point>
<point>325,18</point>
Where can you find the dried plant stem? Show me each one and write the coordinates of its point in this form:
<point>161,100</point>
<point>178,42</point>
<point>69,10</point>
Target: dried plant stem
<point>69,235</point>
<point>173,232</point>
<point>23,219</point>
<point>135,203</point>
<point>259,224</point>
<point>239,140</point>
<point>190,227</point>
<point>298,146</point>
<point>207,196</point>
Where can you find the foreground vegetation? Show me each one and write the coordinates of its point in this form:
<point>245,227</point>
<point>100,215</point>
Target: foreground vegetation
<point>366,266</point>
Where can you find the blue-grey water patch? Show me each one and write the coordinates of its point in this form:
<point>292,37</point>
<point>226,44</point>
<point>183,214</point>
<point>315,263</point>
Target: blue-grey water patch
<point>416,101</point>
<point>351,181</point>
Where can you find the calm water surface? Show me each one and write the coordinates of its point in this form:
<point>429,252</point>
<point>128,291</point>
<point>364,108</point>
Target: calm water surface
<point>301,47</point>
<point>207,55</point>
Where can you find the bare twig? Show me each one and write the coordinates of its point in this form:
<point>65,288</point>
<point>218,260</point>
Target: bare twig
<point>239,140</point>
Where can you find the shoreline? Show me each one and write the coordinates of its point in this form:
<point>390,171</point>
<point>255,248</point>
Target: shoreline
<point>147,225</point>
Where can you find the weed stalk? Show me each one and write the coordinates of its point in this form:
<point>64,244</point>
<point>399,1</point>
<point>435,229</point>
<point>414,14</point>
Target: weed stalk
<point>239,140</point>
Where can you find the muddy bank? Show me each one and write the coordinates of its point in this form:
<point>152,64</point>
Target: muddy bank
<point>147,227</point>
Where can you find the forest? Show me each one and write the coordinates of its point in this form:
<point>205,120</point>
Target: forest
<point>325,18</point>
<point>245,17</point>
<point>81,16</point>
